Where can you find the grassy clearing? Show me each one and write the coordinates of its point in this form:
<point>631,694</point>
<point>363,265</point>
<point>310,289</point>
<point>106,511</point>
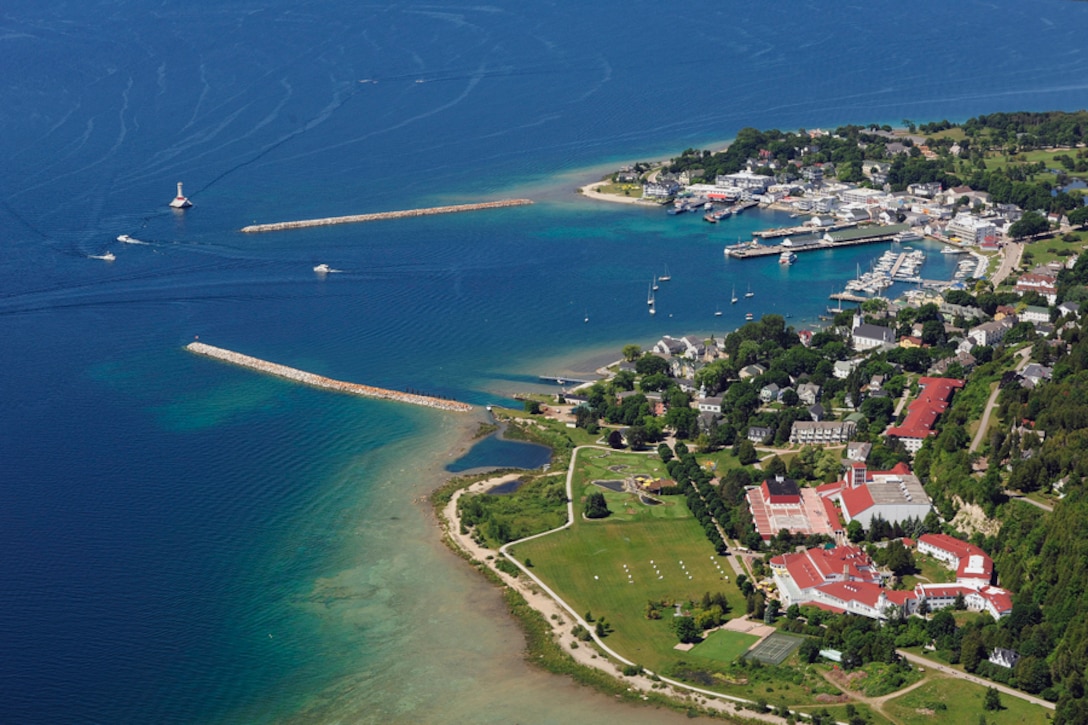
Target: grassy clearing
<point>632,190</point>
<point>839,713</point>
<point>724,646</point>
<point>950,700</point>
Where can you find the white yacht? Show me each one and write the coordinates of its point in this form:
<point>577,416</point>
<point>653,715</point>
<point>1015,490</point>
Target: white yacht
<point>322,269</point>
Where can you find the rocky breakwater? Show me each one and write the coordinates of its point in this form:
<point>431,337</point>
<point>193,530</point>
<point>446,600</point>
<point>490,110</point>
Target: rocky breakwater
<point>319,381</point>
<point>379,216</point>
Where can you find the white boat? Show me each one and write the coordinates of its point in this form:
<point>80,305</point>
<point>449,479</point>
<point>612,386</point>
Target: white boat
<point>652,310</point>
<point>665,277</point>
<point>124,238</point>
<point>655,284</point>
<point>322,269</point>
<point>749,317</point>
<point>787,257</point>
<point>180,201</point>
<point>733,300</point>
<point>749,293</point>
<point>650,296</point>
<point>107,257</point>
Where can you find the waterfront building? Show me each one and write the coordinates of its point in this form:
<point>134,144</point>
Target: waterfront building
<point>971,229</point>
<point>660,189</point>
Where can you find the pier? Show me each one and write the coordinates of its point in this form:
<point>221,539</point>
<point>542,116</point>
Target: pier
<point>833,240</point>
<point>383,215</point>
<point>319,381</point>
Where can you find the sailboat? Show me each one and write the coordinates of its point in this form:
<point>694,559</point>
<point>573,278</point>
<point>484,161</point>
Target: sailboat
<point>587,317</point>
<point>718,312</point>
<point>733,300</point>
<point>650,296</point>
<point>749,293</point>
<point>665,277</point>
<point>654,285</point>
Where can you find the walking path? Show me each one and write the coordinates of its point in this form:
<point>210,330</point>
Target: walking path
<point>543,599</point>
<point>876,703</point>
<point>925,662</point>
<point>984,422</point>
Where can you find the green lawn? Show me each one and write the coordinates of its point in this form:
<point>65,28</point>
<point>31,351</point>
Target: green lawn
<point>724,646</point>
<point>931,570</point>
<point>962,703</point>
<point>585,565</point>
<point>839,713</point>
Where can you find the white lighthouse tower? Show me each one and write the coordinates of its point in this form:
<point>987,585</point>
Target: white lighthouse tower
<point>180,201</point>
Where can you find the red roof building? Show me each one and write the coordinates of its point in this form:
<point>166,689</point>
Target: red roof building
<point>974,568</point>
<point>923,412</point>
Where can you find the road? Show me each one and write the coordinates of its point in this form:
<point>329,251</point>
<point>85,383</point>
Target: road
<point>925,662</point>
<point>984,423</point>
<point>1010,260</point>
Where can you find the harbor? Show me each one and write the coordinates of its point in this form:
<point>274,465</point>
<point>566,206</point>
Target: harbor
<point>319,381</point>
<point>383,215</point>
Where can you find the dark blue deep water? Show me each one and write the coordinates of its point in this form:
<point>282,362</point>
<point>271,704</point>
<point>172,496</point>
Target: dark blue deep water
<point>184,542</point>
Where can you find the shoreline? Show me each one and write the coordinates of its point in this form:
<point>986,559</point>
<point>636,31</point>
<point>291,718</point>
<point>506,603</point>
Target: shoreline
<point>558,614</point>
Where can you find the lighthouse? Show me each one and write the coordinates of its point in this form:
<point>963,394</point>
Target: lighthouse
<point>180,202</point>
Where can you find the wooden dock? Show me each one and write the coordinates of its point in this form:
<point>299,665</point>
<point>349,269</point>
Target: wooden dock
<point>319,381</point>
<point>384,215</point>
<point>804,229</point>
<point>752,250</point>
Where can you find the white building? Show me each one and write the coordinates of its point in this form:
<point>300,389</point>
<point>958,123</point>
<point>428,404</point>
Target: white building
<point>971,229</point>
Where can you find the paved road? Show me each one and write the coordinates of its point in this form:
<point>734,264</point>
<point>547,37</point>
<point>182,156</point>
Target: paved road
<point>1010,260</point>
<point>984,424</point>
<point>926,662</point>
<point>1021,497</point>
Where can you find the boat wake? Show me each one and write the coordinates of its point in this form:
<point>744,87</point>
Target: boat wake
<point>126,239</point>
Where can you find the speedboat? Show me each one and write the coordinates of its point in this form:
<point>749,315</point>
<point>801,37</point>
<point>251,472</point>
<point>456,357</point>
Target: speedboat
<point>322,269</point>
<point>107,257</point>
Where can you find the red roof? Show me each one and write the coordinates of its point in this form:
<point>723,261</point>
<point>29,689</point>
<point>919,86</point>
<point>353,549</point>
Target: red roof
<point>816,566</point>
<point>949,544</point>
<point>865,592</point>
<point>900,597</point>
<point>856,500</point>
<point>927,407</point>
<point>998,597</point>
<point>832,514</point>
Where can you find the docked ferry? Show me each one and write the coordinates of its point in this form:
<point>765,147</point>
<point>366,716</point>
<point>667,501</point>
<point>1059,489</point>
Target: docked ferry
<point>787,257</point>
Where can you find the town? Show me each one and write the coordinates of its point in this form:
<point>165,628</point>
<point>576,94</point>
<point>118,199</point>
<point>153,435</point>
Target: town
<point>890,499</point>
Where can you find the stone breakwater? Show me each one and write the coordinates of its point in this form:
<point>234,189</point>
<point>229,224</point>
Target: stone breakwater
<point>379,216</point>
<point>319,381</point>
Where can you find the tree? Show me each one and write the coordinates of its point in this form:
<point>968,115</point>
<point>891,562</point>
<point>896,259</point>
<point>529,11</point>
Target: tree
<point>746,452</point>
<point>992,700</point>
<point>1030,224</point>
<point>596,506</point>
<point>686,629</point>
<point>615,439</point>
<point>855,532</point>
<point>631,352</point>
<point>532,407</point>
<point>1078,216</point>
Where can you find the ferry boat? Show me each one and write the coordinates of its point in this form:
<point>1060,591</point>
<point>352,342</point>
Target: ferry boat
<point>180,201</point>
<point>787,257</point>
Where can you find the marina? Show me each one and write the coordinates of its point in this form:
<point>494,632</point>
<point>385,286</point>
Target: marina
<point>831,240</point>
<point>384,215</point>
<point>320,381</point>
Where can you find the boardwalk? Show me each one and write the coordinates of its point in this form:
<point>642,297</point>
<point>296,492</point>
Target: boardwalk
<point>379,216</point>
<point>319,381</point>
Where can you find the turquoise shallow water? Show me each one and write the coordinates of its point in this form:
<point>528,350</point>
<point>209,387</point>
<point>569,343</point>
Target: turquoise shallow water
<point>189,542</point>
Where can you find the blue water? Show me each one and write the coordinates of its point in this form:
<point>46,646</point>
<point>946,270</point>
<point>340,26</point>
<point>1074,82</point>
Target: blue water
<point>500,453</point>
<point>186,542</point>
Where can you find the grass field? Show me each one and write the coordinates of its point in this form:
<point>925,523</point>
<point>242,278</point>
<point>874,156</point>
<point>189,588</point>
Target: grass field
<point>724,646</point>
<point>604,465</point>
<point>962,703</point>
<point>666,558</point>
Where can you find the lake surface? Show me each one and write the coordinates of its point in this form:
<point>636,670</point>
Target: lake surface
<point>187,542</point>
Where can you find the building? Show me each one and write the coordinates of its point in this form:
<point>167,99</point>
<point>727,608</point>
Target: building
<point>660,189</point>
<point>744,180</point>
<point>1034,314</point>
<point>1044,284</point>
<point>759,433</point>
<point>974,568</point>
<point>822,432</point>
<point>864,336</point>
<point>779,503</point>
<point>992,332</point>
<point>1006,658</point>
<point>923,412</point>
<point>799,575</point>
<point>895,495</point>
<point>808,393</point>
<point>711,404</point>
<point>971,229</point>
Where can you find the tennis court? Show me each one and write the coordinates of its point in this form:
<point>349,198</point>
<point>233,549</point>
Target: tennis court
<point>775,648</point>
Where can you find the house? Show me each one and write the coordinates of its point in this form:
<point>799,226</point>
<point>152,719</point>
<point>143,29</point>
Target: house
<point>992,332</point>
<point>1044,284</point>
<point>751,371</point>
<point>923,412</point>
<point>669,346</point>
<point>928,190</point>
<point>965,360</point>
<point>1034,374</point>
<point>660,189</point>
<point>808,393</point>
<point>1034,314</point>
<point>711,404</point>
<point>843,368</point>
<point>769,393</point>
<point>816,412</point>
<point>858,451</point>
<point>759,433</point>
<point>822,432</point>
<point>805,336</point>
<point>1002,657</point>
<point>1069,308</point>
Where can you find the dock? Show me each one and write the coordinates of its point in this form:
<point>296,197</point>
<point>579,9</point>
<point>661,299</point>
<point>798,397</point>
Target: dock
<point>847,297</point>
<point>804,229</point>
<point>850,238</point>
<point>319,381</point>
<point>384,215</point>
